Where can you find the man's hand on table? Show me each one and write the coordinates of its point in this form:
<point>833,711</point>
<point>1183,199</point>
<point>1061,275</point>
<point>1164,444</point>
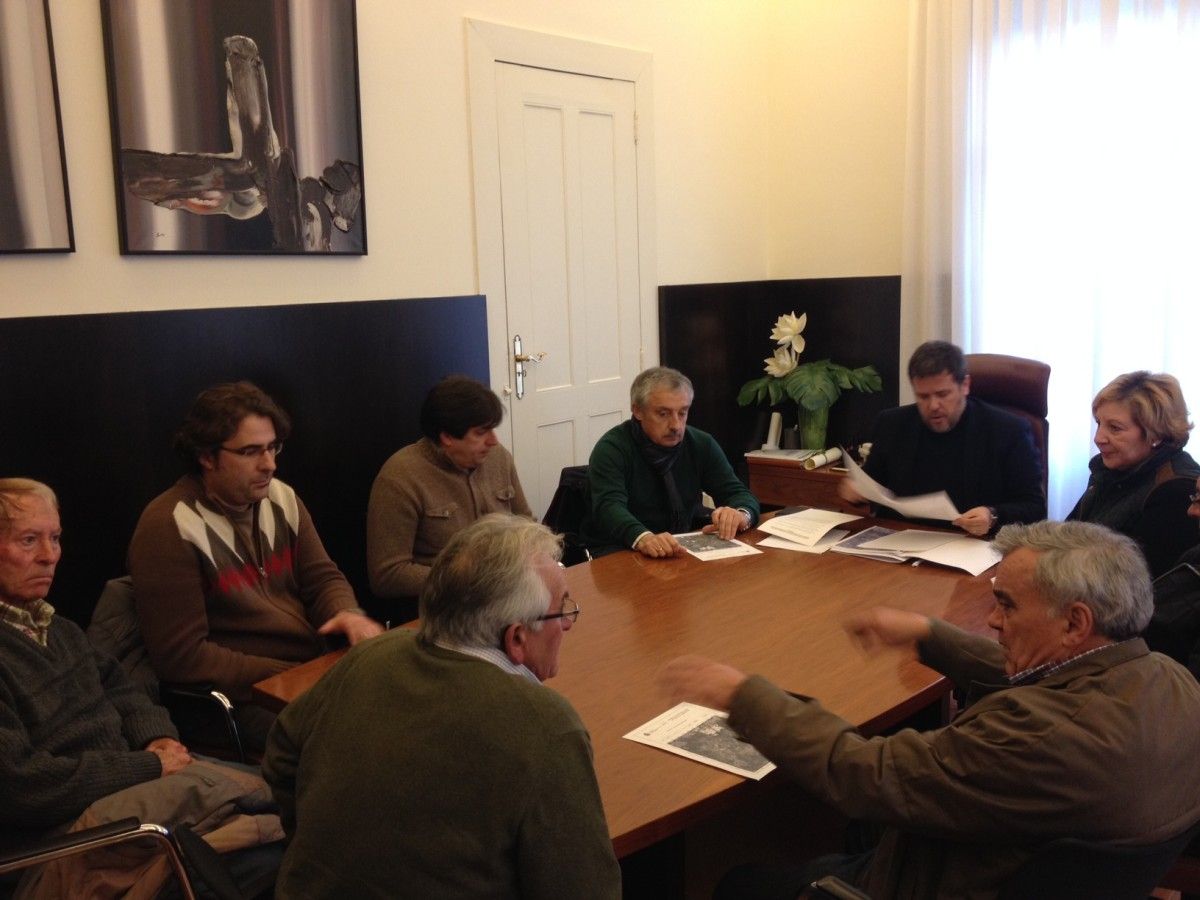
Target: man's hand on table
<point>699,680</point>
<point>883,626</point>
<point>171,754</point>
<point>727,522</point>
<point>658,546</point>
<point>354,625</point>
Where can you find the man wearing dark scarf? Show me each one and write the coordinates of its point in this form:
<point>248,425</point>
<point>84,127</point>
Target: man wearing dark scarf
<point>646,475</point>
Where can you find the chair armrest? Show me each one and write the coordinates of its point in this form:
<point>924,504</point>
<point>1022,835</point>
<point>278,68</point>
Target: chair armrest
<point>832,886</point>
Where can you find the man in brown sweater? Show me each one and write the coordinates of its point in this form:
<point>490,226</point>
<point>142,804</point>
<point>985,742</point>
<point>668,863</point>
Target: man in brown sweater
<point>429,491</point>
<point>231,581</point>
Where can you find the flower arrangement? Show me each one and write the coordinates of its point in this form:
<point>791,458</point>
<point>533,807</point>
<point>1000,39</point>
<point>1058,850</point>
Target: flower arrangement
<point>813,386</point>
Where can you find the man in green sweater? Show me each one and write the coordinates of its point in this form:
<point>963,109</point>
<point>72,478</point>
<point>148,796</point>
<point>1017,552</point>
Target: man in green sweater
<point>646,475</point>
<point>437,764</point>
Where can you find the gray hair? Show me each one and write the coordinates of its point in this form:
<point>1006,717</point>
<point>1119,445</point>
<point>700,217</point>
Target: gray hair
<point>485,580</point>
<point>12,490</point>
<point>1092,564</point>
<point>659,378</point>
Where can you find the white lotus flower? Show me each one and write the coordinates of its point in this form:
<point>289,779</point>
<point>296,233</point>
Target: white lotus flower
<point>787,331</point>
<point>782,362</point>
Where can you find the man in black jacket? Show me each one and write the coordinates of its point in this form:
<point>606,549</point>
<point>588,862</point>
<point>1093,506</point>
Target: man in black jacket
<point>983,457</point>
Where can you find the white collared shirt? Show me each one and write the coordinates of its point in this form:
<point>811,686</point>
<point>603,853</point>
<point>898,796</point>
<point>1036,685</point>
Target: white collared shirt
<point>494,655</point>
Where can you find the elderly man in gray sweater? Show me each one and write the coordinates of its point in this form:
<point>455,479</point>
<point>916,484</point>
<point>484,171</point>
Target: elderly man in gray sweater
<point>73,727</point>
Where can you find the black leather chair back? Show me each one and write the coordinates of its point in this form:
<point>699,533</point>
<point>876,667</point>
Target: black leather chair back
<point>1019,386</point>
<point>1069,868</point>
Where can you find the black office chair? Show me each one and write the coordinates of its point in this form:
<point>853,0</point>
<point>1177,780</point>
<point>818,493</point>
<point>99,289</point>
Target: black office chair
<point>1020,386</point>
<point>571,501</point>
<point>203,715</point>
<point>179,845</point>
<point>1087,869</point>
<point>1073,869</point>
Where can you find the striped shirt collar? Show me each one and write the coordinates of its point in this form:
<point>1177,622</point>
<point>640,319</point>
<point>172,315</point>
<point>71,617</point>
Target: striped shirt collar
<point>1037,673</point>
<point>493,655</point>
<point>31,619</point>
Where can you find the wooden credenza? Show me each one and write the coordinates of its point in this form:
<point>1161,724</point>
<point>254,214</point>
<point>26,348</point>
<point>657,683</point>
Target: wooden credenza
<point>785,482</point>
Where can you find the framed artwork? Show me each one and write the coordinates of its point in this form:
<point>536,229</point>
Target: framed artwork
<point>236,126</point>
<point>33,165</point>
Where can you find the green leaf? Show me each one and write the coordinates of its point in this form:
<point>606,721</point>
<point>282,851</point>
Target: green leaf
<point>812,385</point>
<point>753,391</point>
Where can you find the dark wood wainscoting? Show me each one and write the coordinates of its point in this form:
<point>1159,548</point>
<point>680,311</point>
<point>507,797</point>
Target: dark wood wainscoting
<point>90,402</point>
<point>718,335</point>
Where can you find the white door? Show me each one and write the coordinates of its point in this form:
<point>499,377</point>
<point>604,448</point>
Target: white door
<point>568,184</point>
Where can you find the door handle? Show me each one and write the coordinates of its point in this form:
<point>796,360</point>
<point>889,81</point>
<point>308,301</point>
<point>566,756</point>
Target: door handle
<point>521,359</point>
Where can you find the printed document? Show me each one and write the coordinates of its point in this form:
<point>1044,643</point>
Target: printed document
<point>704,735</point>
<point>924,506</point>
<point>805,527</point>
<point>944,548</point>
<point>709,546</point>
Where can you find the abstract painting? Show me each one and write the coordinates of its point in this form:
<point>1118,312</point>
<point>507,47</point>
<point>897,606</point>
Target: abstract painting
<point>33,168</point>
<point>236,126</point>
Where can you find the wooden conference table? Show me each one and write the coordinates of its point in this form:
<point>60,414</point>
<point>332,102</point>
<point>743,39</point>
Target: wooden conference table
<point>777,614</point>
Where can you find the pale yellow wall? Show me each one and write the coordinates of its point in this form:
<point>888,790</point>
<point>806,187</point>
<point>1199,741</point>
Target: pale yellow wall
<point>778,138</point>
<point>836,142</point>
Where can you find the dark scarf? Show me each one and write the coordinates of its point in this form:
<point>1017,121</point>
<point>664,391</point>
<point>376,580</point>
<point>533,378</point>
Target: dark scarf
<point>661,459</point>
<point>1114,494</point>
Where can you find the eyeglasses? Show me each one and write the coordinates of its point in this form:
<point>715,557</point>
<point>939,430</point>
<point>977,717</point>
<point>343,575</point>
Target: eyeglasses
<point>253,451</point>
<point>570,611</point>
<point>1194,498</point>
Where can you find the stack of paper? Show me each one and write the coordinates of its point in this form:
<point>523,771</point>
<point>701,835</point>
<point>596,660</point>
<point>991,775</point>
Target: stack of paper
<point>955,550</point>
<point>810,530</point>
<point>780,454</point>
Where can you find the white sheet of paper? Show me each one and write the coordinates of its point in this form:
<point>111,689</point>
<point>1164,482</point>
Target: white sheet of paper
<point>924,506</point>
<point>807,526</point>
<point>966,553</point>
<point>799,455</point>
<point>703,735</point>
<point>854,545</point>
<point>820,546</point>
<point>911,541</point>
<point>709,546</point>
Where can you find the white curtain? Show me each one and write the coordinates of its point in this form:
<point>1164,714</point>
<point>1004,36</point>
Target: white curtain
<point>1053,195</point>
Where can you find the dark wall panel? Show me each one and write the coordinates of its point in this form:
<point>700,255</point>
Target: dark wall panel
<point>718,335</point>
<point>90,403</point>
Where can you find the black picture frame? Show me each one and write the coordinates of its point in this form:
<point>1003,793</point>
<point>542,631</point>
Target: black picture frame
<point>236,126</point>
<point>34,191</point>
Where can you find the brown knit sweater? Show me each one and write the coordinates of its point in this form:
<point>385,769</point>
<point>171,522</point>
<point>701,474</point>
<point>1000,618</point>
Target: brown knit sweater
<point>207,612</point>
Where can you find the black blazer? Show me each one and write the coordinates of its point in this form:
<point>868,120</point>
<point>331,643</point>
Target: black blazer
<point>1001,467</point>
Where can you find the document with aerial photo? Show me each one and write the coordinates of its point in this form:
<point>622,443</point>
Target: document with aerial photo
<point>704,735</point>
<point>709,546</point>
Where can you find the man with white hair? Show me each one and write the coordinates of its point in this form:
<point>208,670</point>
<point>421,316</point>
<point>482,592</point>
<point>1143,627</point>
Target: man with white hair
<point>1072,728</point>
<point>81,744</point>
<point>437,764</point>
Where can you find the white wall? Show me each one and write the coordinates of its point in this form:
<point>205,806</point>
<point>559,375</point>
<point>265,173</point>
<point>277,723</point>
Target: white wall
<point>779,142</point>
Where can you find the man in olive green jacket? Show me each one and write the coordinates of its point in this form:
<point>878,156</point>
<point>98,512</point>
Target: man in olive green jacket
<point>1072,727</point>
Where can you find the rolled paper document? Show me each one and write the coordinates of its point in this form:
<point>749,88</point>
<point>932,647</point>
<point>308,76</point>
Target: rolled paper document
<point>773,432</point>
<point>833,454</point>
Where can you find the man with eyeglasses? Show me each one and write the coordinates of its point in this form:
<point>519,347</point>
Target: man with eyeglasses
<point>231,581</point>
<point>436,764</point>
